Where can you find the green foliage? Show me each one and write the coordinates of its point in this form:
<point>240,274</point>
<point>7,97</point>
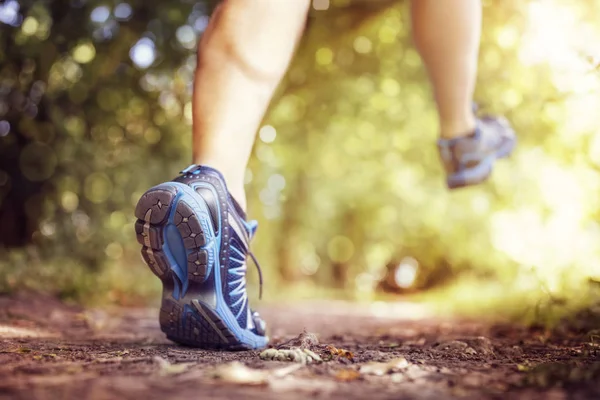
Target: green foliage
<point>345,180</point>
<point>90,131</point>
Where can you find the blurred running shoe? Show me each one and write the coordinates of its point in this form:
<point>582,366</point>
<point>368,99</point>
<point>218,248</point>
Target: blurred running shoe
<point>469,160</point>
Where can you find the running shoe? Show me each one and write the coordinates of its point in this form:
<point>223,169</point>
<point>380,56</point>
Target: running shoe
<point>196,240</point>
<point>469,160</point>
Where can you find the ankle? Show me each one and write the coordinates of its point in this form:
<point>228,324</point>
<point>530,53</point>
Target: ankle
<point>455,129</point>
<point>233,178</point>
<point>239,194</point>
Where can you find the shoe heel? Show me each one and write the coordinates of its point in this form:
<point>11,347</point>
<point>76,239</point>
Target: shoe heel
<point>152,212</point>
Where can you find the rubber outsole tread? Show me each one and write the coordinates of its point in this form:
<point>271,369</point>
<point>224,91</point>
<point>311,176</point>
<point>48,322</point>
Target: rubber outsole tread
<point>188,225</point>
<point>151,237</point>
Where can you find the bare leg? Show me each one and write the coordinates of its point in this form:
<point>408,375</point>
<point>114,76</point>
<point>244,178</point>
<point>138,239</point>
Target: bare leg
<point>241,58</point>
<point>447,34</point>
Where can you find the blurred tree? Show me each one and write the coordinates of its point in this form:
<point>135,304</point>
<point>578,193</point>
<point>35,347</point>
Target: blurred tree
<point>95,108</point>
<point>91,92</point>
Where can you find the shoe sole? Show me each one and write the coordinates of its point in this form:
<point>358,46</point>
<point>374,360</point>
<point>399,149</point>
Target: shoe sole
<point>181,249</point>
<point>483,170</point>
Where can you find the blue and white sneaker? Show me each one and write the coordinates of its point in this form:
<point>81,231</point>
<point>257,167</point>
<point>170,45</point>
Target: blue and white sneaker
<point>469,160</point>
<point>195,238</point>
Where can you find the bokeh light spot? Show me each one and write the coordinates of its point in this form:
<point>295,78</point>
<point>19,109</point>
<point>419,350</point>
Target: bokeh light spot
<point>412,58</point>
<point>340,249</point>
<point>390,87</point>
<point>97,187</point>
<point>152,135</point>
<point>186,36</point>
<point>201,23</point>
<point>143,53</point>
<point>406,273</point>
<point>84,53</point>
<point>30,26</point>
<point>362,45</point>
<point>4,128</point>
<point>276,182</point>
<point>268,197</point>
<point>387,34</point>
<point>114,250</point>
<point>320,5</point>
<point>69,201</point>
<point>267,134</point>
<point>309,263</point>
<point>118,219</point>
<point>123,11</point>
<point>508,37</point>
<point>9,12</point>
<point>75,126</point>
<point>47,228</point>
<point>100,14</point>
<point>324,56</point>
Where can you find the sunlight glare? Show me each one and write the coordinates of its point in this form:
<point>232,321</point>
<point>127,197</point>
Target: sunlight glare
<point>100,14</point>
<point>143,53</point>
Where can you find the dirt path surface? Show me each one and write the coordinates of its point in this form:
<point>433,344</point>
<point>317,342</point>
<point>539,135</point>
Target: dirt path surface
<point>50,350</point>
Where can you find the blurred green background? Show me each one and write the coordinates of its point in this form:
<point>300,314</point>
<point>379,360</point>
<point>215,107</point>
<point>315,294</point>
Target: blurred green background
<point>345,181</point>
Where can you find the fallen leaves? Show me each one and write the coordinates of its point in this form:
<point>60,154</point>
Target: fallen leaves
<point>347,375</point>
<point>166,368</point>
<point>239,374</point>
<point>16,332</point>
<point>470,351</point>
<point>305,340</point>
<point>384,368</point>
<point>340,352</point>
<point>523,368</point>
<point>298,355</point>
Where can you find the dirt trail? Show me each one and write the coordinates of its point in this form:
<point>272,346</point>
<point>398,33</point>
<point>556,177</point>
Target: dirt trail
<point>50,350</point>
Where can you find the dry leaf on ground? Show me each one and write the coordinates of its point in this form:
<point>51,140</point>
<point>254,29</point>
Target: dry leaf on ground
<point>239,374</point>
<point>166,368</point>
<point>383,368</point>
<point>305,340</point>
<point>298,355</point>
<point>334,351</point>
<point>347,375</point>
